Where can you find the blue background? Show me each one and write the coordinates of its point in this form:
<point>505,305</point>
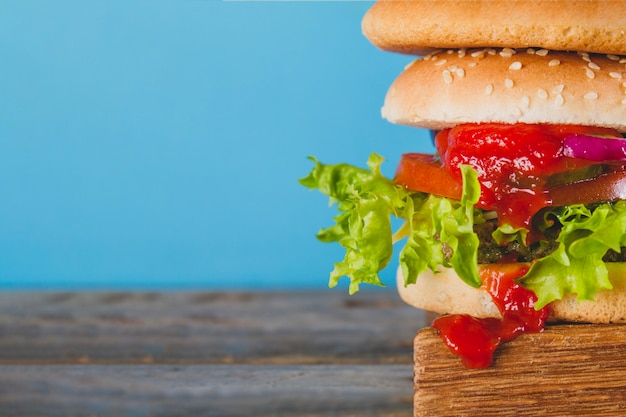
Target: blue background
<point>157,144</point>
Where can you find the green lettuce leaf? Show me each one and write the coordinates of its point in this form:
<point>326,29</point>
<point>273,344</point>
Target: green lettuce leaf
<point>440,226</point>
<point>576,265</point>
<point>367,201</point>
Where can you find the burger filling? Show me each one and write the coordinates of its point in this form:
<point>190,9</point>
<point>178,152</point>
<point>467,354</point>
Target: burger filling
<point>550,197</point>
<point>519,167</point>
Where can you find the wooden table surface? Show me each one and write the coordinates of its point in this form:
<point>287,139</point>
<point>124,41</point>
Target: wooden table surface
<point>207,353</point>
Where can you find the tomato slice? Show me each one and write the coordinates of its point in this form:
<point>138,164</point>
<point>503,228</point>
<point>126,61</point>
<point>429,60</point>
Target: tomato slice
<point>606,187</point>
<point>425,173</point>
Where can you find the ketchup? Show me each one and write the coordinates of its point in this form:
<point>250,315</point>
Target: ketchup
<point>512,162</point>
<point>476,339</point>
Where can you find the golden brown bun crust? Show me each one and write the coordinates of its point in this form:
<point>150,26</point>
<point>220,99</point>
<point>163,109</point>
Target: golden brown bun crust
<point>415,26</point>
<point>445,293</point>
<point>510,86</point>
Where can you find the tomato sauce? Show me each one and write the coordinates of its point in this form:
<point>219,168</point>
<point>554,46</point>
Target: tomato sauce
<point>476,339</point>
<point>512,162</point>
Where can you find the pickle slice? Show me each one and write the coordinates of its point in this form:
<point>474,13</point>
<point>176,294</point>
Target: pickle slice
<point>579,174</point>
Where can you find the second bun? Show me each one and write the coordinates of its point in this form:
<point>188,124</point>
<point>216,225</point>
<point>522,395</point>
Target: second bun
<point>505,85</point>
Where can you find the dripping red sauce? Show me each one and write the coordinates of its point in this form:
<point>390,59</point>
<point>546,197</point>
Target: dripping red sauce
<point>512,162</point>
<point>476,339</point>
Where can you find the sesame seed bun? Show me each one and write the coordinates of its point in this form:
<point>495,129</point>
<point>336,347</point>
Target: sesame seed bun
<point>416,26</point>
<point>505,85</point>
<point>445,293</point>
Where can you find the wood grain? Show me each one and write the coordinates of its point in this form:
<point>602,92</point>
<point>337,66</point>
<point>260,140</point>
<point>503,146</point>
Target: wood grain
<point>230,354</point>
<point>207,328</point>
<point>206,390</point>
<point>568,370</point>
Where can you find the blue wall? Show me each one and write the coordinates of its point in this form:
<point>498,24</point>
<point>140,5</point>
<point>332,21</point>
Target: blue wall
<point>157,144</point>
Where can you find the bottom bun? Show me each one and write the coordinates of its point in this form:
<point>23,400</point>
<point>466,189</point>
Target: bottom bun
<point>445,293</point>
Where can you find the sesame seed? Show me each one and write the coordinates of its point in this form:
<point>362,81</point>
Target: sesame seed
<point>558,100</point>
<point>508,83</point>
<point>450,51</point>
<point>491,51</point>
<point>441,62</point>
<point>507,52</point>
<point>515,66</point>
<point>477,54</point>
<point>447,77</point>
<point>622,61</point>
<point>590,73</point>
<point>592,95</point>
<point>530,51</point>
<point>489,89</point>
<point>541,93</point>
<point>586,57</point>
<point>471,64</point>
<point>554,62</point>
<point>613,57</point>
<point>460,72</point>
<point>435,53</point>
<point>593,65</point>
<point>614,74</point>
<point>461,52</point>
<point>542,52</point>
<point>558,89</point>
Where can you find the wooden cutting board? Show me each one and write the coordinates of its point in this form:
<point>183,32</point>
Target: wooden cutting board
<point>568,370</point>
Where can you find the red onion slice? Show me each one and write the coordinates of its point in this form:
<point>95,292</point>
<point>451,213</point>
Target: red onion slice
<point>594,148</point>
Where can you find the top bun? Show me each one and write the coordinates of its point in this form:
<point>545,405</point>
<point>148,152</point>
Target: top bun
<point>531,86</point>
<point>417,26</point>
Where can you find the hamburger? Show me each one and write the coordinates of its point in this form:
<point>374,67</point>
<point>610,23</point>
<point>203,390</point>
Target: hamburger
<point>519,217</point>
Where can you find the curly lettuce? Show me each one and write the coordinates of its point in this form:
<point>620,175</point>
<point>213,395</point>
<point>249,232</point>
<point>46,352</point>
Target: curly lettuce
<point>439,232</point>
<point>366,201</point>
<point>576,266</point>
